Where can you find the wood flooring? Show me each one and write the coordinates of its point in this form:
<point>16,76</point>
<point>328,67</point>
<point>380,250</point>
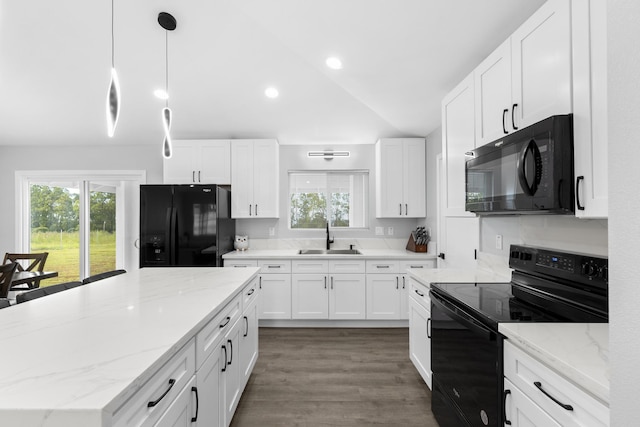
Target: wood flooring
<point>317,377</point>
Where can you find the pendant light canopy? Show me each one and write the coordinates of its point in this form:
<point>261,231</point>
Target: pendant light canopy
<point>113,94</point>
<point>168,22</point>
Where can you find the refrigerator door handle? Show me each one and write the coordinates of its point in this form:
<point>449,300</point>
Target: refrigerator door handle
<point>168,238</point>
<point>174,236</point>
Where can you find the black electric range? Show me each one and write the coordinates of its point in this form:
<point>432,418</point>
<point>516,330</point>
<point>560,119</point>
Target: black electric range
<point>466,347</point>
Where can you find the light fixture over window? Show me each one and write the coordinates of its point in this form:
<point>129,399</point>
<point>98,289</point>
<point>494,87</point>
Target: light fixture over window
<point>328,154</point>
<point>168,22</point>
<point>113,94</point>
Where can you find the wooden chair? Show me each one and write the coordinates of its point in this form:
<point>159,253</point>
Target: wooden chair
<point>34,262</point>
<point>6,275</point>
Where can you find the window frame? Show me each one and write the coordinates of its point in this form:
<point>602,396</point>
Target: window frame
<point>366,196</point>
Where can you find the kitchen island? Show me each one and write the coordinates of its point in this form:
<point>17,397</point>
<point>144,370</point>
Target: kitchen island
<point>78,357</point>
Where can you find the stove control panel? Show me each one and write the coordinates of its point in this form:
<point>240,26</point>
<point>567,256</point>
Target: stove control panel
<point>582,268</point>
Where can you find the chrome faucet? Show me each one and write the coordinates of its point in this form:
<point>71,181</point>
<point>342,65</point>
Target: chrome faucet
<point>329,241</point>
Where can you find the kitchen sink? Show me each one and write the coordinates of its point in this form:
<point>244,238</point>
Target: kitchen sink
<point>329,252</point>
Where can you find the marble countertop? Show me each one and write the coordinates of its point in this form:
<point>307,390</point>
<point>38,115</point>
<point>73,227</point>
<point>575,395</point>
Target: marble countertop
<point>456,275</point>
<point>577,351</point>
<point>87,349</point>
<point>365,254</point>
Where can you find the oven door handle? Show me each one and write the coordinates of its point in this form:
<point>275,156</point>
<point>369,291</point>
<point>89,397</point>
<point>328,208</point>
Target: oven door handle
<point>461,317</point>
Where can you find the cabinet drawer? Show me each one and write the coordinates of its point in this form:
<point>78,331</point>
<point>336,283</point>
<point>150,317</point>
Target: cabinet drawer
<point>420,293</point>
<point>531,377</point>
<point>162,389</point>
<point>346,266</point>
<point>207,338</point>
<point>240,263</point>
<point>419,265</point>
<point>382,266</point>
<point>249,293</point>
<point>274,266</point>
<point>310,266</point>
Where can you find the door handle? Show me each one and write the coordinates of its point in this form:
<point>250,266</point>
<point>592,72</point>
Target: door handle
<point>578,181</point>
<point>538,385</point>
<point>249,209</point>
<point>155,402</point>
<point>441,255</point>
<point>193,176</point>
<point>504,115</point>
<point>199,180</point>
<point>513,116</point>
<point>506,393</point>
<point>195,390</point>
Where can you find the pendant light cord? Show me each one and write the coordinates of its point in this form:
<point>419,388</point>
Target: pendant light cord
<point>166,65</point>
<point>112,39</point>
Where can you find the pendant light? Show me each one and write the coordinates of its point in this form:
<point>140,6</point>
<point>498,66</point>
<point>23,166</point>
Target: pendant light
<point>113,95</point>
<point>168,22</point>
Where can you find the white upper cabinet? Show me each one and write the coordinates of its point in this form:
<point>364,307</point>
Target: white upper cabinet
<point>589,27</point>
<point>458,137</point>
<point>254,178</point>
<point>198,162</point>
<point>527,78</point>
<point>400,178</point>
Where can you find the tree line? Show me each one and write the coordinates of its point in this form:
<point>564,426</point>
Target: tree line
<point>58,209</point>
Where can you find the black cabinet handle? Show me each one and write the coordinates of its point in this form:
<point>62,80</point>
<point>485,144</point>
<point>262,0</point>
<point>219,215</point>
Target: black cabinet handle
<point>562,405</point>
<point>504,114</point>
<point>224,365</point>
<point>249,210</point>
<point>403,283</point>
<point>419,293</point>
<point>256,210</point>
<point>193,176</point>
<point>406,209</point>
<point>230,351</point>
<point>429,328</point>
<point>225,323</point>
<point>504,405</point>
<point>513,116</point>
<point>397,283</point>
<point>382,266</point>
<point>260,282</point>
<point>400,204</point>
<point>578,181</point>
<point>195,390</point>
<point>251,292</point>
<point>246,321</point>
<point>441,255</point>
<point>325,282</point>
<point>199,180</point>
<point>331,282</point>
<point>155,402</point>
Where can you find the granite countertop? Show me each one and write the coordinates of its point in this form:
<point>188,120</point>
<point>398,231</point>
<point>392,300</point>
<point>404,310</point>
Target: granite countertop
<point>365,254</point>
<point>577,351</point>
<point>86,350</point>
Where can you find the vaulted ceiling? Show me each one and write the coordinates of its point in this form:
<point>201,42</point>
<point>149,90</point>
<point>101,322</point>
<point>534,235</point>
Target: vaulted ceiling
<point>400,57</point>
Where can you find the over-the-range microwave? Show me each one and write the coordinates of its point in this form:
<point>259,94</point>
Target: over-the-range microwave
<point>527,172</point>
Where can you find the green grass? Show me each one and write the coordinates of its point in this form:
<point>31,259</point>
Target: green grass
<point>64,253</point>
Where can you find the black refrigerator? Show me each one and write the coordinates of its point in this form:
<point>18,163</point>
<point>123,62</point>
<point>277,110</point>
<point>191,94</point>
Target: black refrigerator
<point>185,225</point>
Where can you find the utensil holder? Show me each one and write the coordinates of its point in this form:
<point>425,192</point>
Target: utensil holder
<point>411,245</point>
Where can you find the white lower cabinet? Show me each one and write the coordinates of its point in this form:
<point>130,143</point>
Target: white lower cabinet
<point>347,296</point>
<point>310,296</point>
<point>536,395</point>
<point>231,372</point>
<point>249,336</point>
<point>275,296</point>
<point>419,329</point>
<point>384,296</point>
<point>183,411</point>
<point>209,379</point>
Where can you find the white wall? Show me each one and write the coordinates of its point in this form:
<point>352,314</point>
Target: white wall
<point>623,21</point>
<point>117,157</point>
<point>294,157</point>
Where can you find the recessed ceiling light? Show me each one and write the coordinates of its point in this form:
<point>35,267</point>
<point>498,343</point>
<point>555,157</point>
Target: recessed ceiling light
<point>334,63</point>
<point>161,94</point>
<point>271,92</point>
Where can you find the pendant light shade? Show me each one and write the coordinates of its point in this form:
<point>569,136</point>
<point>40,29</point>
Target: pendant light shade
<point>168,22</point>
<point>113,94</point>
<point>113,103</point>
<point>166,125</point>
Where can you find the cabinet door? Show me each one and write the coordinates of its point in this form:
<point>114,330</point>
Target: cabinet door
<point>347,296</point>
<point>182,167</point>
<point>242,178</point>
<point>522,412</point>
<point>275,296</point>
<point>383,296</point>
<point>419,339</point>
<point>389,174</point>
<point>541,61</point>
<point>493,95</point>
<point>458,136</point>
<point>310,296</point>
<point>459,242</point>
<point>265,179</point>
<point>414,177</point>
<point>248,342</point>
<point>181,413</point>
<point>210,389</point>
<point>215,162</point>
<point>231,375</point>
<point>589,28</point>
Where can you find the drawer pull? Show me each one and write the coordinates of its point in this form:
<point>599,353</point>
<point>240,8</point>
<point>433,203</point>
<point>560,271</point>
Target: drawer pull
<point>251,292</point>
<point>506,421</point>
<point>240,266</point>
<point>382,266</point>
<point>273,266</point>
<point>225,323</point>
<point>195,390</point>
<point>419,293</point>
<point>416,266</point>
<point>562,405</point>
<point>155,402</point>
